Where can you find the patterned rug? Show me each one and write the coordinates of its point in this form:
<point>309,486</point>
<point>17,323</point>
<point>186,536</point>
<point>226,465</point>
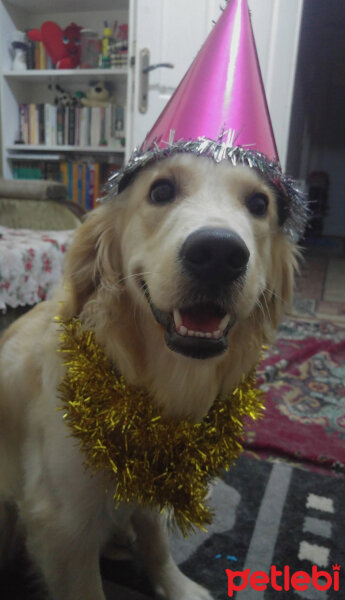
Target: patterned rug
<point>266,514</point>
<point>303,377</point>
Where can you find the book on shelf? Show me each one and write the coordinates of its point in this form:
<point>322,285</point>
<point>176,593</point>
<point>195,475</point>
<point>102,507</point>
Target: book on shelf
<point>35,169</point>
<point>32,123</point>
<point>65,125</point>
<point>37,57</point>
<point>50,122</point>
<point>60,125</point>
<point>95,126</point>
<point>41,123</point>
<point>51,125</point>
<point>84,178</point>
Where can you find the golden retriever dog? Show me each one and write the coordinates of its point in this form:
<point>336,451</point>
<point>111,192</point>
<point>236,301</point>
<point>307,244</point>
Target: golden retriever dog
<point>182,277</point>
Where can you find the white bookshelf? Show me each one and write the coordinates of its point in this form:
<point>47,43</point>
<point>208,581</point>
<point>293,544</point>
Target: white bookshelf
<point>32,85</point>
<point>31,148</point>
<point>65,75</point>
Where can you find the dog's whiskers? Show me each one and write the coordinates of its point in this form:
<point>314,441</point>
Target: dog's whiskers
<point>272,293</point>
<point>136,309</point>
<point>262,235</point>
<point>266,305</point>
<point>136,275</point>
<point>258,303</point>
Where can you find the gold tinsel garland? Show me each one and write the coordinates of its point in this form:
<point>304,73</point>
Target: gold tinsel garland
<point>166,464</point>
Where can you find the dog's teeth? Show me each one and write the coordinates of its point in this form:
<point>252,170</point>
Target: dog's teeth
<point>177,318</point>
<point>224,322</point>
<point>182,330</point>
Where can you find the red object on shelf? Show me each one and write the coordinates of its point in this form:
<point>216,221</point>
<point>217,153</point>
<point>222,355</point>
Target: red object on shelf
<point>62,45</point>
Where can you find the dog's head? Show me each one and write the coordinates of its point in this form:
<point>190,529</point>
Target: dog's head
<point>199,246</point>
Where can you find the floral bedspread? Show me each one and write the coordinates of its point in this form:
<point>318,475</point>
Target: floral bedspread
<point>30,264</point>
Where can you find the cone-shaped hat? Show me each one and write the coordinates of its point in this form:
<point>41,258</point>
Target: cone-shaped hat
<point>220,111</point>
<point>221,91</point>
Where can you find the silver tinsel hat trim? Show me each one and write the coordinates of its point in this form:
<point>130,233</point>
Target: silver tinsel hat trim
<point>296,204</point>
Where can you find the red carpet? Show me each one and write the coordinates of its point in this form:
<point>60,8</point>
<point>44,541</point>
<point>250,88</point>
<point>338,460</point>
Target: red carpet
<point>303,376</point>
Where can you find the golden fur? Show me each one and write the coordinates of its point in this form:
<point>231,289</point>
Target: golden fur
<point>68,517</point>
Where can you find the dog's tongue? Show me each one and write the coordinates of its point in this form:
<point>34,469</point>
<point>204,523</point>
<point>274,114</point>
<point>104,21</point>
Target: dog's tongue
<point>201,318</point>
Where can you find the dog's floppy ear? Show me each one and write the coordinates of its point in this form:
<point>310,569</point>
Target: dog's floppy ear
<point>92,262</point>
<point>280,282</point>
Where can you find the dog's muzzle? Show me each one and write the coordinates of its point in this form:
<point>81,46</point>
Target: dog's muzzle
<point>214,257</point>
<point>212,260</point>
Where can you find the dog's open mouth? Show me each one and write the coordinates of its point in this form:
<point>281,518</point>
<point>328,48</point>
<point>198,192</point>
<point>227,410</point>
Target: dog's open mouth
<point>198,331</point>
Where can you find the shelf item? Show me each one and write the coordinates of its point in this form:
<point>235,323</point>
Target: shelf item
<point>46,7</point>
<point>45,124</point>
<point>64,148</point>
<point>65,75</point>
<point>36,156</point>
<point>34,91</point>
<point>83,177</point>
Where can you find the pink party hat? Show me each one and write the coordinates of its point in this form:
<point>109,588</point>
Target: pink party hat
<point>222,91</point>
<point>219,110</point>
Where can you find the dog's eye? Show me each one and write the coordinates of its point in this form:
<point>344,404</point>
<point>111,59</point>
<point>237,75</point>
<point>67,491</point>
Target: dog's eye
<point>257,204</point>
<point>162,192</point>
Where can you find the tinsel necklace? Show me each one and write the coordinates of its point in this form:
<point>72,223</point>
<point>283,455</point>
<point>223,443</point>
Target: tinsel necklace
<point>162,463</point>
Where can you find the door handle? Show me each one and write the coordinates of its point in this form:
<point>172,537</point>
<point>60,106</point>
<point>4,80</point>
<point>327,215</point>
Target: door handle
<point>157,66</point>
<point>144,70</point>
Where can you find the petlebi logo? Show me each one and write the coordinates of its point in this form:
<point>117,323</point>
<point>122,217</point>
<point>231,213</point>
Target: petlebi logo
<point>283,580</point>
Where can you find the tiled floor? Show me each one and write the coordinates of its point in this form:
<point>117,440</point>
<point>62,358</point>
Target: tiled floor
<point>320,288</point>
<point>335,281</point>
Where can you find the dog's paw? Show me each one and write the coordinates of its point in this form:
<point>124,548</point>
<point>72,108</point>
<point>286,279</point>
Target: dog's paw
<point>184,589</point>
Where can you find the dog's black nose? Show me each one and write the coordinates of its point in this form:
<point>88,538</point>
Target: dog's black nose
<point>214,256</point>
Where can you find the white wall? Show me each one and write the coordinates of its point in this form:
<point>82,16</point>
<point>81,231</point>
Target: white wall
<point>276,25</point>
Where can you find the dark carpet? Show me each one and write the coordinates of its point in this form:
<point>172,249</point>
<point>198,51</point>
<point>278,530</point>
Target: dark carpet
<point>267,513</point>
<point>271,514</point>
<point>303,377</point>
